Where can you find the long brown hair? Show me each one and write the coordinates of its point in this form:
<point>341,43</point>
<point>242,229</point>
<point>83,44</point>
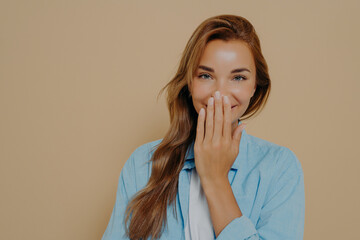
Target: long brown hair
<point>148,208</point>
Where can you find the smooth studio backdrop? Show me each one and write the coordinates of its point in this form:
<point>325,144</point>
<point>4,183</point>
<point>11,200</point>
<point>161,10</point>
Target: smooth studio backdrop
<point>78,88</point>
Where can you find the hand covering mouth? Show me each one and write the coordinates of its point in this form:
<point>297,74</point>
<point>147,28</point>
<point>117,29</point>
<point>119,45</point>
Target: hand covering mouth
<point>231,106</point>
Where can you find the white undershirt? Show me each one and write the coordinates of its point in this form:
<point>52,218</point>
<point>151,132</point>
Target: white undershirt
<point>199,225</point>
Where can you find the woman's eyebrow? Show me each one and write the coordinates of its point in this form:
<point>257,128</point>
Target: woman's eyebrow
<point>233,71</point>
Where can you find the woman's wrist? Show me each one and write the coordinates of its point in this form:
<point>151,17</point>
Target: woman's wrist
<point>214,185</point>
<point>221,202</point>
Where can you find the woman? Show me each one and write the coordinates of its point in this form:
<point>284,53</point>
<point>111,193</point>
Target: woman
<point>207,178</point>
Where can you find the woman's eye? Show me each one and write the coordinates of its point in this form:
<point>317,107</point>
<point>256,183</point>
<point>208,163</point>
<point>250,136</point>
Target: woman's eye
<point>204,76</point>
<point>239,78</point>
<point>207,76</point>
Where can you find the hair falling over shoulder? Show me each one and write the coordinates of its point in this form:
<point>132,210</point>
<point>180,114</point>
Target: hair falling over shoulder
<point>146,213</point>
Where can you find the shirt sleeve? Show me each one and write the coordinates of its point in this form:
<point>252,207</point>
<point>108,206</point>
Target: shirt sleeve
<point>282,215</point>
<point>126,188</point>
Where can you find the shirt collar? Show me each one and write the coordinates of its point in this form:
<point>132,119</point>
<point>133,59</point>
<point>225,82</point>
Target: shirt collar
<point>189,157</point>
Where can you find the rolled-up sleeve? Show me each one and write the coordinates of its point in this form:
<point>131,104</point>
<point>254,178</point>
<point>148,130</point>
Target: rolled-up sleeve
<point>283,212</point>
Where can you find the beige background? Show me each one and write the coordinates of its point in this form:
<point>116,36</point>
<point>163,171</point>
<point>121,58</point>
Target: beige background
<point>78,87</point>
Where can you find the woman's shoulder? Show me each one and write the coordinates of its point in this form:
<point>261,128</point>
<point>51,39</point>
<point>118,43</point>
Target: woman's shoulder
<point>137,168</point>
<point>271,155</point>
<point>145,151</point>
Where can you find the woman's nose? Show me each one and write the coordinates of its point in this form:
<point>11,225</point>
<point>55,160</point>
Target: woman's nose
<point>222,89</point>
<point>222,92</point>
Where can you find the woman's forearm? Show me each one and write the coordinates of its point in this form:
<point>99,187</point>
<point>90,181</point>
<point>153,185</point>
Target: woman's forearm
<point>222,203</point>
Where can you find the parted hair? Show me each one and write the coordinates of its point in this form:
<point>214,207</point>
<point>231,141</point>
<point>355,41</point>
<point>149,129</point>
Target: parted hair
<point>146,212</point>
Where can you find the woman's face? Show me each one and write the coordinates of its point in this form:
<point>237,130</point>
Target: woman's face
<point>227,67</point>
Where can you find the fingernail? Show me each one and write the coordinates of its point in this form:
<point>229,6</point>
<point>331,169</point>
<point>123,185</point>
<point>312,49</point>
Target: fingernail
<point>201,112</point>
<point>217,94</point>
<point>211,101</point>
<point>226,99</point>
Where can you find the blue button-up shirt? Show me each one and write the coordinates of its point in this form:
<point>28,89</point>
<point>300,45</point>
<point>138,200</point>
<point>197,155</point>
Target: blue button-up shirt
<point>267,181</point>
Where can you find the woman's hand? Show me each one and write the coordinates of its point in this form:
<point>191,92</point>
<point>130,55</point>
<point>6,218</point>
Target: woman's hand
<point>215,147</point>
<point>215,150</point>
